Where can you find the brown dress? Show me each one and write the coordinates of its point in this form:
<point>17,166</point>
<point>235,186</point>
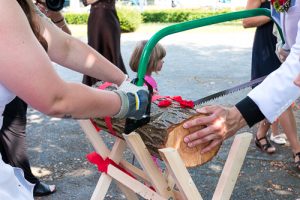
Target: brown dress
<point>104,34</point>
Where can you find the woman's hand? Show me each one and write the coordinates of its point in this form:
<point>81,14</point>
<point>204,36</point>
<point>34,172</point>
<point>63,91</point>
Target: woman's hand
<point>56,16</point>
<point>297,80</point>
<point>281,53</point>
<point>43,8</point>
<point>221,123</point>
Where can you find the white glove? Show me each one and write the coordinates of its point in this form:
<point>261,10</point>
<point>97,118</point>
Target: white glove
<point>134,100</point>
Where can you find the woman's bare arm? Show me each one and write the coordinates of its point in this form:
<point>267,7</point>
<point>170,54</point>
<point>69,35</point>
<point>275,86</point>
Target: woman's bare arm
<point>26,70</point>
<point>76,55</point>
<point>254,21</point>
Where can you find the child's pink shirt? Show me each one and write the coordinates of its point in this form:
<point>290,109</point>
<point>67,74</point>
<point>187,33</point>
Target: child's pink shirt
<point>151,81</point>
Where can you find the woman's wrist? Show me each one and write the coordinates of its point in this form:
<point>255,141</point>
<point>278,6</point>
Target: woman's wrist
<point>60,23</point>
<point>125,78</point>
<point>119,80</point>
<point>56,21</point>
<point>56,16</point>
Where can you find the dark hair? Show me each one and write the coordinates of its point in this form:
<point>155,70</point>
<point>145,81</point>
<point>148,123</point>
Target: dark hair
<point>28,8</point>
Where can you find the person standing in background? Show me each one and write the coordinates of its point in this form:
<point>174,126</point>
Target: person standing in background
<point>13,131</point>
<point>104,33</point>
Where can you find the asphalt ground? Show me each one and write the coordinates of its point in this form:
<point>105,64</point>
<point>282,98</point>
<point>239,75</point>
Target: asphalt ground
<point>198,63</point>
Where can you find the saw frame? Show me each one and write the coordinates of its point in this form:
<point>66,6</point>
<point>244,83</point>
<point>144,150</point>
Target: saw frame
<point>175,181</point>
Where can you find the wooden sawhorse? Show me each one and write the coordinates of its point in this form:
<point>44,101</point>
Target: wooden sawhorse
<point>176,183</point>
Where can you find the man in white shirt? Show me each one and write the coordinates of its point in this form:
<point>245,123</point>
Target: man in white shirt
<point>268,100</point>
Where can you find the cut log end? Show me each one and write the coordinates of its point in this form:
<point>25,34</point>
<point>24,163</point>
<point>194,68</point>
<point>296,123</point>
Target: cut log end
<point>191,157</point>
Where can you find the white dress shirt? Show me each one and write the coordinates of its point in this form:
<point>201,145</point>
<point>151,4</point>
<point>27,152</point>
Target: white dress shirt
<point>277,92</point>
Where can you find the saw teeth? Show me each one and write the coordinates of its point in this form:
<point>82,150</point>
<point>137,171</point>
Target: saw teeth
<point>198,106</point>
<point>225,92</point>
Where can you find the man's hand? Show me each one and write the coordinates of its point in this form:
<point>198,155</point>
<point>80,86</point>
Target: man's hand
<point>221,123</point>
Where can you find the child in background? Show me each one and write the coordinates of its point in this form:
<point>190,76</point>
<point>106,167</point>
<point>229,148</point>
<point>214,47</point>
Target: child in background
<point>155,62</point>
<point>154,65</point>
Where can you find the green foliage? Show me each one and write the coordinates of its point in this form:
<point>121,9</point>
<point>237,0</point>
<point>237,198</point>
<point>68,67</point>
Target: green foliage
<point>178,15</point>
<point>76,18</point>
<point>130,18</point>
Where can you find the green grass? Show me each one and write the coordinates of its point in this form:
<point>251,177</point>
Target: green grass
<point>80,31</point>
<point>226,27</point>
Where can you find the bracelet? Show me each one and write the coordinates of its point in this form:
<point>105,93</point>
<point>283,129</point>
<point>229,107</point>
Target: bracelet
<point>63,25</point>
<point>58,21</point>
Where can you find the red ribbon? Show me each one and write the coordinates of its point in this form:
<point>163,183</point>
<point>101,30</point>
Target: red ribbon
<point>103,164</point>
<point>109,125</point>
<point>106,119</point>
<point>187,104</point>
<point>164,103</point>
<point>177,98</point>
<point>104,85</point>
<point>95,125</point>
<point>183,103</point>
<point>156,97</point>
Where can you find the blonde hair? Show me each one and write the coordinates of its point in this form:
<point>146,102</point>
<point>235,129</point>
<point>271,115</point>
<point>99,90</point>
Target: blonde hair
<point>157,54</point>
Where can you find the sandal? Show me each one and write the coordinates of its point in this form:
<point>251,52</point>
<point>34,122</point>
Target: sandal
<point>42,189</point>
<point>278,139</point>
<point>297,163</point>
<point>264,147</point>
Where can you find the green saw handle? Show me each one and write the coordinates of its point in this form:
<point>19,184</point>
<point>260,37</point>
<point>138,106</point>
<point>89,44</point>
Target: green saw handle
<point>191,25</point>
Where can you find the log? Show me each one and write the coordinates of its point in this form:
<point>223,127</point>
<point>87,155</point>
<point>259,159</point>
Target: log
<point>164,130</point>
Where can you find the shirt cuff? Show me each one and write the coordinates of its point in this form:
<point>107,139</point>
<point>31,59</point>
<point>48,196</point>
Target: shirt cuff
<point>250,111</point>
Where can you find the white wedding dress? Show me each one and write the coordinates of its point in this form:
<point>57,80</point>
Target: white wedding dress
<point>13,185</point>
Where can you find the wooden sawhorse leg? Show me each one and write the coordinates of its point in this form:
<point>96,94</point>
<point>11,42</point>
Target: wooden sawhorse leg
<point>129,185</point>
<point>115,155</point>
<point>227,179</point>
<point>135,143</point>
<point>163,185</point>
<point>232,166</point>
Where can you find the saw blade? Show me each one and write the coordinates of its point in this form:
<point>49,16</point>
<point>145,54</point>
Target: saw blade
<point>229,91</point>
